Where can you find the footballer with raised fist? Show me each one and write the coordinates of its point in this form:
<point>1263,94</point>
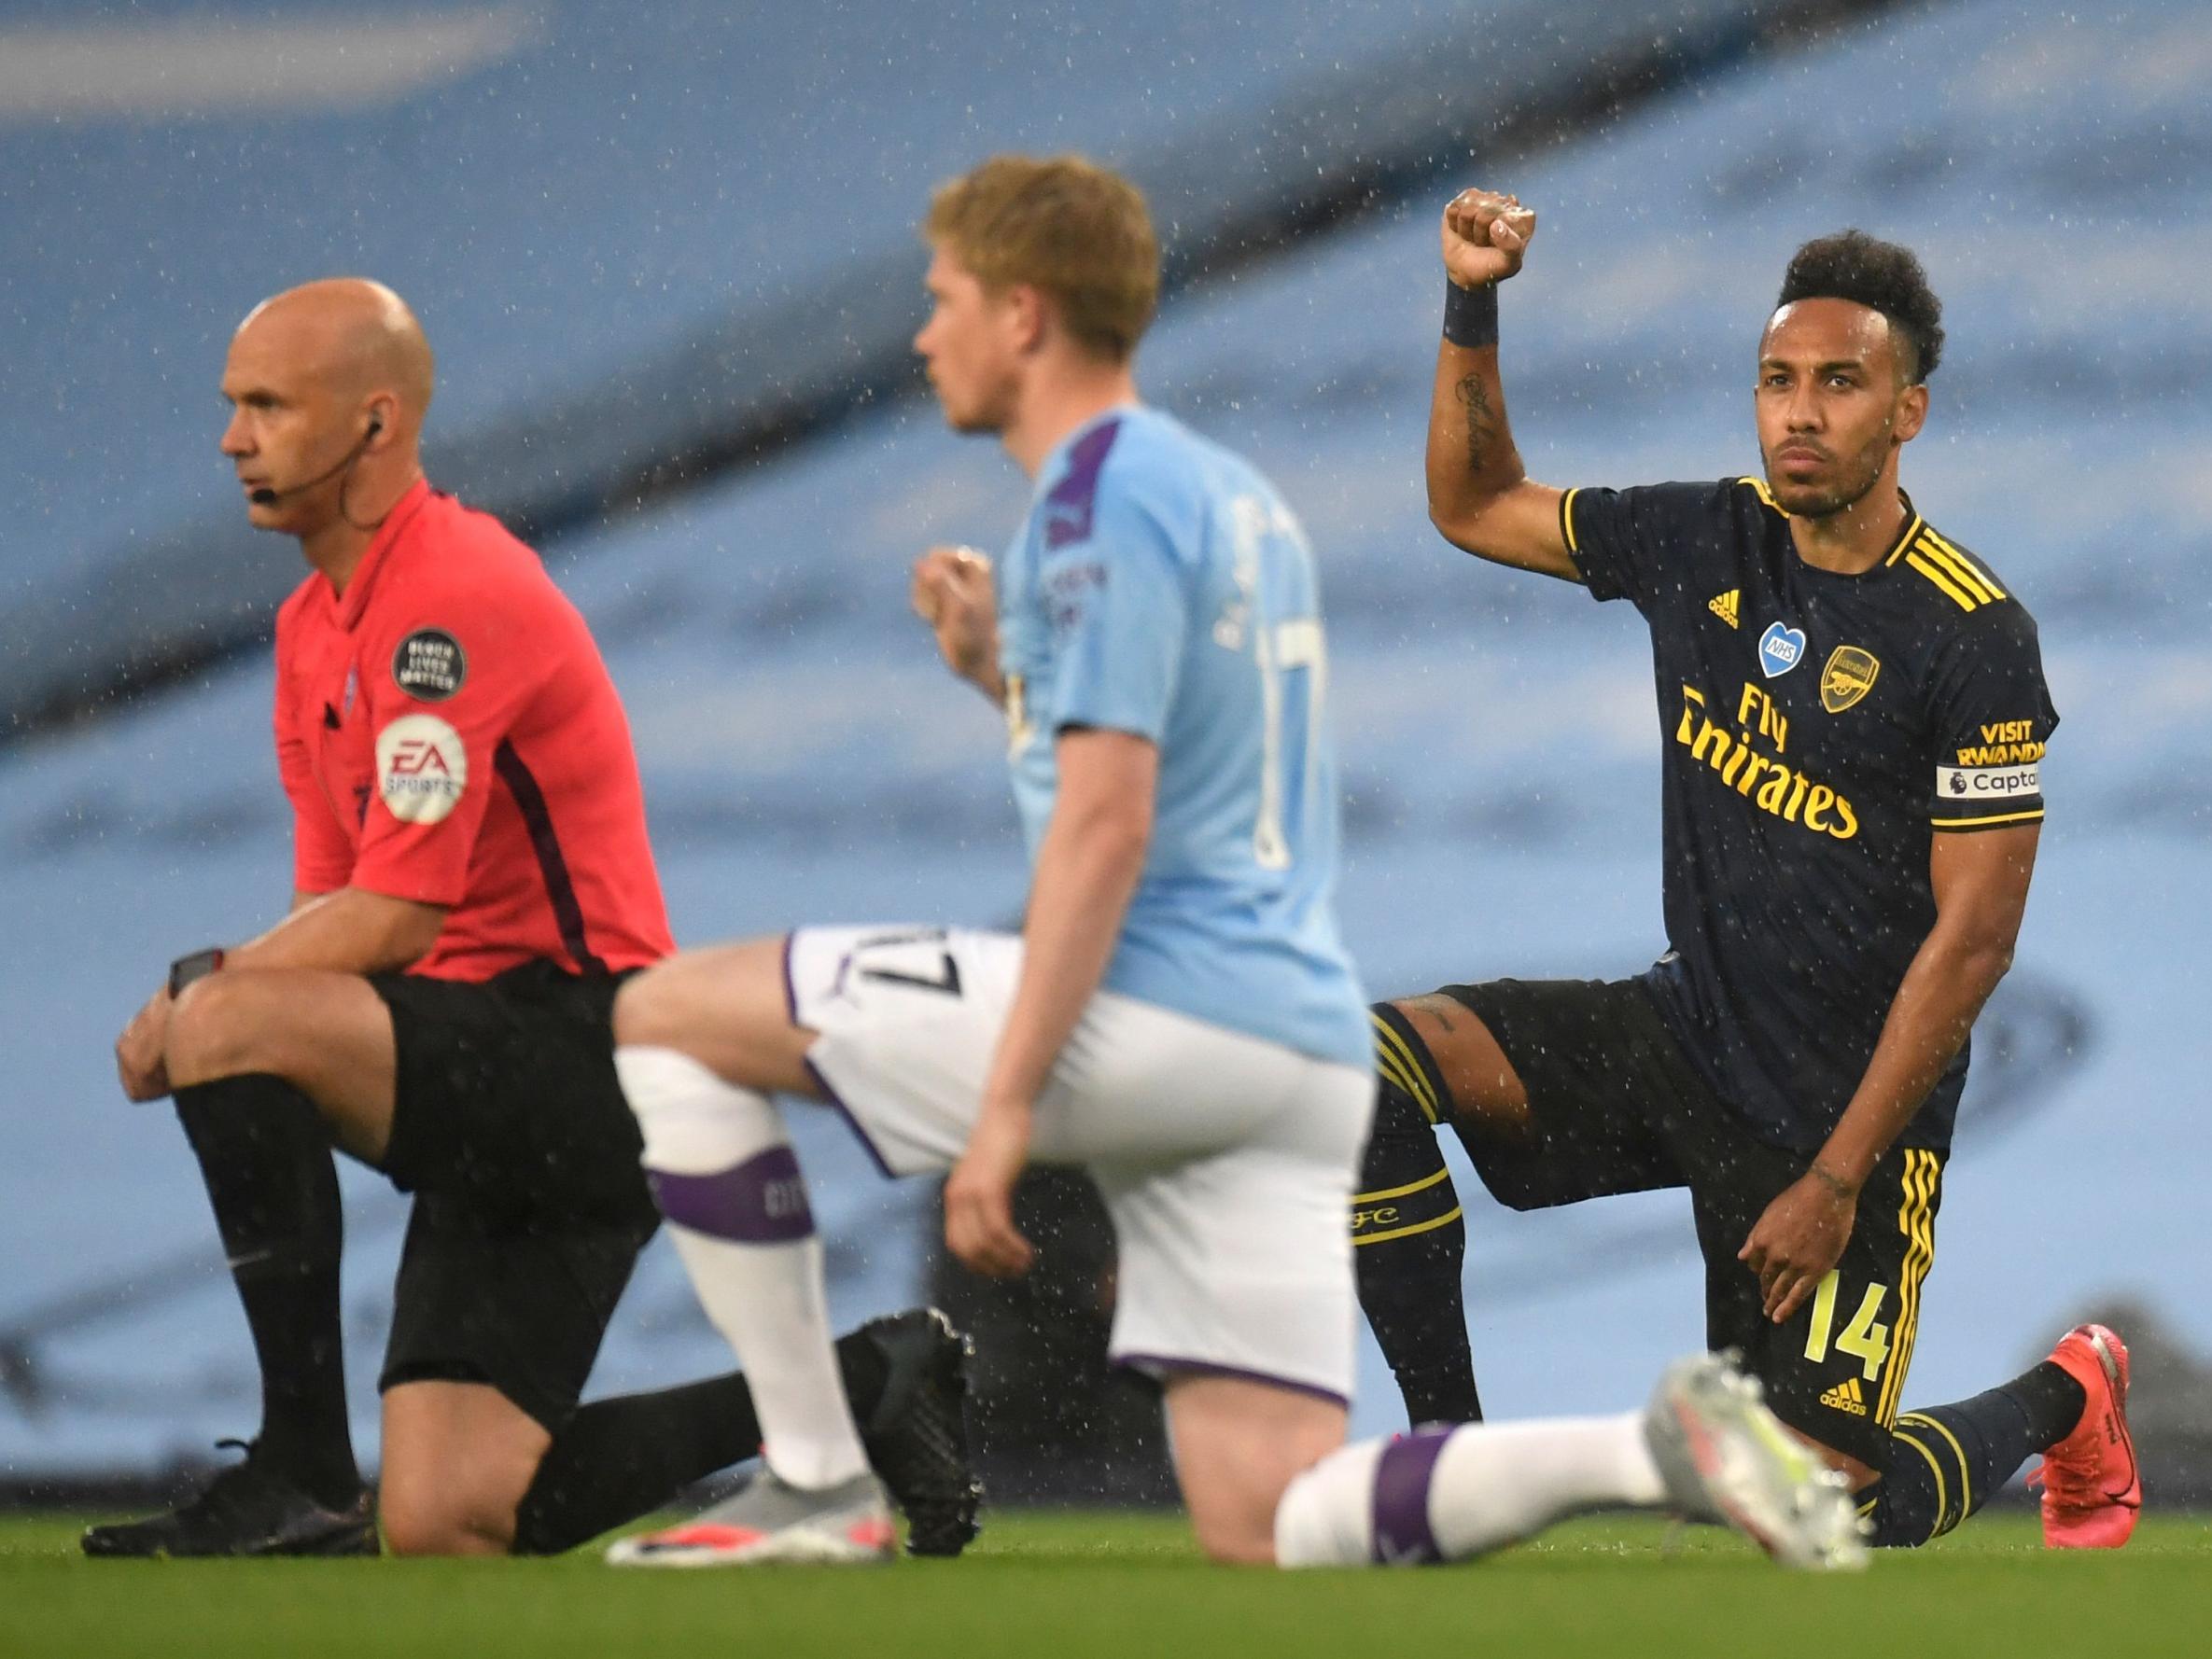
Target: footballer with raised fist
<point>1852,718</point>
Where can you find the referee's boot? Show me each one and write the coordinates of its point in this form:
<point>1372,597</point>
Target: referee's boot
<point>246,1510</point>
<point>916,1437</point>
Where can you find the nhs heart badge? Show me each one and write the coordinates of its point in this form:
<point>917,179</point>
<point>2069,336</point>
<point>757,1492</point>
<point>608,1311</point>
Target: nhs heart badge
<point>1780,649</point>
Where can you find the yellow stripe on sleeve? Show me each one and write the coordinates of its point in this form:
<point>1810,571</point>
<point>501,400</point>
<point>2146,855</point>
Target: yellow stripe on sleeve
<point>1961,572</point>
<point>1920,563</point>
<point>1980,572</point>
<point>1567,519</point>
<point>2009,818</point>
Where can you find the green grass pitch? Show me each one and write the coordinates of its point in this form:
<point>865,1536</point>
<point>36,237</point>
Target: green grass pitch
<point>1069,1586</point>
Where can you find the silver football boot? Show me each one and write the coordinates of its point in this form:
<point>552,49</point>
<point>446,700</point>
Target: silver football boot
<point>1727,1459</point>
<point>769,1520</point>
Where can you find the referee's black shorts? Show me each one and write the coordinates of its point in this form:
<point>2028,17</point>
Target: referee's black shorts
<point>1617,1107</point>
<point>530,1204</point>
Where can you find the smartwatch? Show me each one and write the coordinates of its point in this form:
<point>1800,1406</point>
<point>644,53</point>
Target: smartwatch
<point>197,965</point>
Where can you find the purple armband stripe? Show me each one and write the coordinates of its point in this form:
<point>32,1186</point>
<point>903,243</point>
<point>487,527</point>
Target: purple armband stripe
<point>1402,1537</point>
<point>760,1201</point>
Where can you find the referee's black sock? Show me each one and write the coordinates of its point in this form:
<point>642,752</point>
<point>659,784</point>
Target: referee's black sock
<point>616,1459</point>
<point>265,1158</point>
<point>1946,1461</point>
<point>1408,1239</point>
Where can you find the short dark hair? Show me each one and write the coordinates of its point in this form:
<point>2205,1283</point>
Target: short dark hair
<point>1880,276</point>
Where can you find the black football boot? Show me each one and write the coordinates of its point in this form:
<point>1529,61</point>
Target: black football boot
<point>916,1438</point>
<point>246,1510</point>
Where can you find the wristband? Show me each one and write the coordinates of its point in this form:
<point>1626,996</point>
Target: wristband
<point>1470,315</point>
<point>197,965</point>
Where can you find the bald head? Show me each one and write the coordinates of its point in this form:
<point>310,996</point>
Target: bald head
<point>354,336</point>
<point>327,385</point>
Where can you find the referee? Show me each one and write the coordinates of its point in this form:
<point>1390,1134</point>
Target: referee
<point>1852,717</point>
<point>471,884</point>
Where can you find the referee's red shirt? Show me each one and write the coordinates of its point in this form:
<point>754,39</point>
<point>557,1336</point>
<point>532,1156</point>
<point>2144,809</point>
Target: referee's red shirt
<point>447,733</point>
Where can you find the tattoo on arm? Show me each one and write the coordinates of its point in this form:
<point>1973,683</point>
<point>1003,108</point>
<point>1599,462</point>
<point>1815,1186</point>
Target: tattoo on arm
<point>1482,419</point>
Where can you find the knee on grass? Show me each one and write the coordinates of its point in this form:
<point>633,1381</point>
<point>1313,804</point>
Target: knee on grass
<point>1238,1540</point>
<point>444,1524</point>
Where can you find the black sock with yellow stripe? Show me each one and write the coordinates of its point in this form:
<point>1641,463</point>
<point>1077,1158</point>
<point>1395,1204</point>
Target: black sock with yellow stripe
<point>1944,1462</point>
<point>1408,1240</point>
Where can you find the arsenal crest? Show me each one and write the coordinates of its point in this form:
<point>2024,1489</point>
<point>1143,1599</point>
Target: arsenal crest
<point>1848,676</point>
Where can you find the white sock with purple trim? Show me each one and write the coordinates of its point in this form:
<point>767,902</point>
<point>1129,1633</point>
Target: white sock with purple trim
<point>723,1173</point>
<point>1450,1494</point>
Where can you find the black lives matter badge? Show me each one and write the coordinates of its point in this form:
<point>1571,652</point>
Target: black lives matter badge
<point>429,666</point>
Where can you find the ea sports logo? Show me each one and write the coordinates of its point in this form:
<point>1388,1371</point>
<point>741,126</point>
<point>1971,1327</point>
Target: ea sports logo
<point>418,756</point>
<point>422,769</point>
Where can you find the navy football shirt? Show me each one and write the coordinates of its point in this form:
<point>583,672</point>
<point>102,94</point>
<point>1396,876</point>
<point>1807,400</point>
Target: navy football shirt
<point>1819,731</point>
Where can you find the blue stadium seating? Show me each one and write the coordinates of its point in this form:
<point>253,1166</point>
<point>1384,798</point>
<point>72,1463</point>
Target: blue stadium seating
<point>804,758</point>
<point>631,234</point>
<point>589,195</point>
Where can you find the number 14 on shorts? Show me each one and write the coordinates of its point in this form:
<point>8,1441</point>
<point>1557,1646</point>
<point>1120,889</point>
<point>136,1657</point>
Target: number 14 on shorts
<point>1863,1338</point>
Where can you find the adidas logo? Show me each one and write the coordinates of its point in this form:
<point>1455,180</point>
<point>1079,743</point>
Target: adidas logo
<point>1725,605</point>
<point>1844,1396</point>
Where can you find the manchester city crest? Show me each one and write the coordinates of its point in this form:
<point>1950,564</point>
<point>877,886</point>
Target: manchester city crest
<point>1848,676</point>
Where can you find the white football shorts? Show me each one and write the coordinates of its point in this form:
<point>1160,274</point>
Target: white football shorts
<point>1226,1162</point>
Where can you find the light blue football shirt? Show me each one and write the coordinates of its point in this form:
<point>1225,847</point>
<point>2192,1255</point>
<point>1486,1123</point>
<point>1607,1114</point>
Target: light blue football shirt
<point>1159,586</point>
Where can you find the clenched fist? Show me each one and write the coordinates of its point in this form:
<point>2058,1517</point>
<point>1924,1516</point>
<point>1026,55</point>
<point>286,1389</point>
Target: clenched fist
<point>1486,236</point>
<point>953,592</point>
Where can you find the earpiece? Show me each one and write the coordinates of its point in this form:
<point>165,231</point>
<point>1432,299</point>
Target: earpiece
<point>265,496</point>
